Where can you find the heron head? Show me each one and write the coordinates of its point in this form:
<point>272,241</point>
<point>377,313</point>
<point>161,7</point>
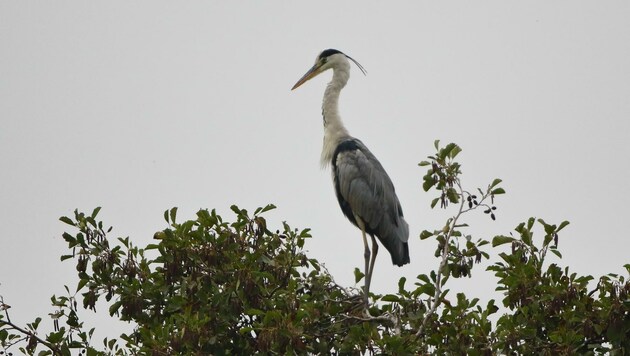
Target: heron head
<point>327,59</point>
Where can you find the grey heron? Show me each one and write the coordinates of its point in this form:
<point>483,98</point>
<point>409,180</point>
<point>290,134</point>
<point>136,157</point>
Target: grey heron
<point>365,192</point>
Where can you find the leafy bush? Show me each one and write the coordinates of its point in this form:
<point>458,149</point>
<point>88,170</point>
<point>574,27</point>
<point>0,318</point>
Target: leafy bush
<point>208,286</point>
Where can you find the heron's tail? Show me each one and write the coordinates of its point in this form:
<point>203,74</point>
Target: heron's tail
<point>402,258</point>
<point>397,245</point>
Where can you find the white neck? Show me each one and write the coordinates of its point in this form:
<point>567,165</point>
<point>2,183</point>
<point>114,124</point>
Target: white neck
<point>334,131</point>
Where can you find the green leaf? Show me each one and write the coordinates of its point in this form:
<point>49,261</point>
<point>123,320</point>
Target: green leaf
<point>436,143</point>
<point>429,182</point>
<point>253,311</point>
<point>562,225</point>
<point>424,278</point>
<point>67,220</point>
<point>586,279</point>
<point>82,283</point>
<point>434,202</point>
<point>495,182</point>
<point>526,236</point>
<point>56,337</point>
<point>556,252</point>
<point>173,214</point>
<point>235,209</point>
<point>73,320</point>
<point>401,284</point>
<point>71,240</point>
<point>65,257</point>
<point>482,242</point>
<point>446,151</point>
<point>95,212</point>
<point>267,208</point>
<point>491,308</point>
<point>530,223</point>
<point>35,323</point>
<point>497,191</point>
<point>452,195</point>
<point>425,235</point>
<point>455,151</point>
<point>113,309</point>
<point>358,275</point>
<point>424,163</point>
<point>501,239</point>
<point>390,298</point>
<point>548,227</point>
<point>428,289</point>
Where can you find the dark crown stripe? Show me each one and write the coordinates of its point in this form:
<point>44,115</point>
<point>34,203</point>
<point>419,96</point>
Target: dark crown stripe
<point>328,53</point>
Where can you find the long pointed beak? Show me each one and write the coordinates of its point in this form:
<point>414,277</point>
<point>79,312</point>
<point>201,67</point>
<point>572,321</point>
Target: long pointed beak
<point>313,72</point>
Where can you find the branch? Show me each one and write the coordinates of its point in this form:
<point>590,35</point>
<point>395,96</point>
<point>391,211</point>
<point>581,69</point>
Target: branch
<point>438,284</point>
<point>30,334</point>
<point>27,333</point>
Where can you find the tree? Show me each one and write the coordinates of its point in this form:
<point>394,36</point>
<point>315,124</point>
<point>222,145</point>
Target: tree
<point>209,286</point>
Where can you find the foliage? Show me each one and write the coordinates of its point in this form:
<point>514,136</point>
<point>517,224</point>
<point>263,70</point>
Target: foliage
<point>208,286</point>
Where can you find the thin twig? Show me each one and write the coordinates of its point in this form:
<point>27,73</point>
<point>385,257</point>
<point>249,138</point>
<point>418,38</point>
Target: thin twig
<point>8,322</point>
<point>5,307</point>
<point>438,285</point>
<point>30,334</point>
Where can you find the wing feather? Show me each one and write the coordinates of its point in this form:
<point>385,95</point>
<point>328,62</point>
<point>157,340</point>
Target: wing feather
<point>368,191</point>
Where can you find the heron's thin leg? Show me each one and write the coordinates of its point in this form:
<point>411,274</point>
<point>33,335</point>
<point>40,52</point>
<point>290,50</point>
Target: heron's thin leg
<point>372,260</point>
<point>366,255</point>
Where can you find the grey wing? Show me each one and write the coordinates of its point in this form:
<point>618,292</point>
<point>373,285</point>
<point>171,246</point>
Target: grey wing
<point>365,186</point>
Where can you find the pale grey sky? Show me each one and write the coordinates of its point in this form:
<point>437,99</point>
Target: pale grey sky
<point>139,107</point>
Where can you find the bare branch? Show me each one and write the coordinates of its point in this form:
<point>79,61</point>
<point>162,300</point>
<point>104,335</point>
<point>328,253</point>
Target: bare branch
<point>438,285</point>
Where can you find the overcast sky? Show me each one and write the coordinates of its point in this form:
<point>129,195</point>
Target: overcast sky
<point>138,107</point>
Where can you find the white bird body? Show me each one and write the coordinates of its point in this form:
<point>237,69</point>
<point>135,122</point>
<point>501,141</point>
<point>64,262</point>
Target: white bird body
<point>365,192</point>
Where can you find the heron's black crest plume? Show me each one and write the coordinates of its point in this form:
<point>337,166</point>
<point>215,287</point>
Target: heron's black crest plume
<point>357,63</point>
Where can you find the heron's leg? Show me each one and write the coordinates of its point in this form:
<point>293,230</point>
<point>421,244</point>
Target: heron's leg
<point>366,255</point>
<point>372,260</point>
